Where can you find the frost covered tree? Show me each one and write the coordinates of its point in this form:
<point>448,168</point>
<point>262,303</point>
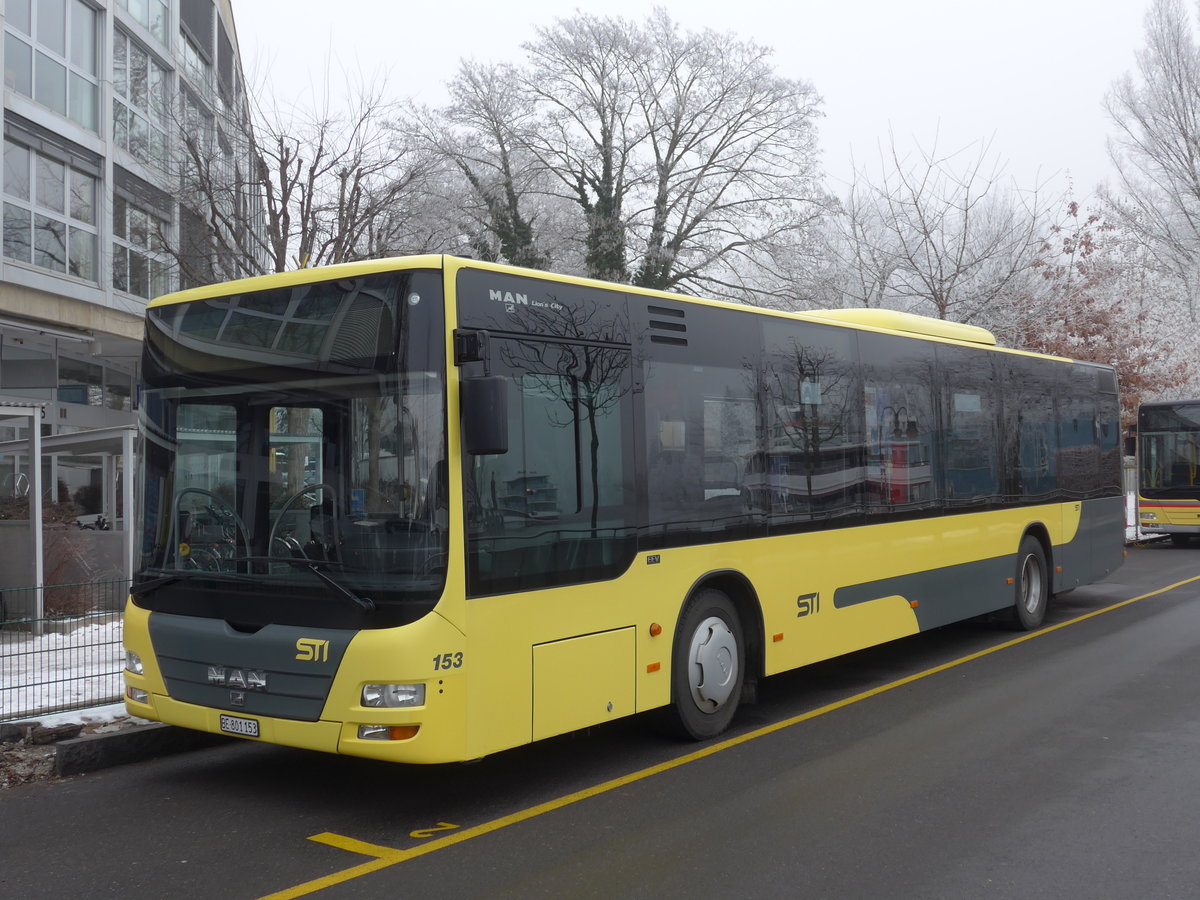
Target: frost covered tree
<point>1156,148</point>
<point>729,157</point>
<point>1093,297</point>
<point>939,234</point>
<point>496,189</point>
<point>685,161</point>
<point>268,190</point>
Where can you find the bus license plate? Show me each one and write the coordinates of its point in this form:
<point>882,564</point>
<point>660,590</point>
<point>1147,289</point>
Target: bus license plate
<point>240,727</point>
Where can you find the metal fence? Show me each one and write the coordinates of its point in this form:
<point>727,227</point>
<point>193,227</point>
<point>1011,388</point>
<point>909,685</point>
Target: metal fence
<point>69,659</point>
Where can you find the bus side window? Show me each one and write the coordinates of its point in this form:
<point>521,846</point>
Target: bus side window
<point>904,464</point>
<point>812,465</point>
<point>972,433</point>
<point>556,507</point>
<point>701,435</point>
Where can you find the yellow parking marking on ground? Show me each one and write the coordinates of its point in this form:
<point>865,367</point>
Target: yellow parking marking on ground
<point>430,832</point>
<point>389,856</point>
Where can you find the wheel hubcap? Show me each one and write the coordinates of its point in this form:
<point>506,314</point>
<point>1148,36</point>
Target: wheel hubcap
<point>713,666</point>
<point>1031,583</point>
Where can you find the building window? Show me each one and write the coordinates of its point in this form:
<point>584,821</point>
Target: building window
<point>195,50</point>
<point>140,91</point>
<point>118,390</point>
<point>50,53</point>
<point>49,213</point>
<point>196,23</point>
<point>139,265</point>
<point>150,14</point>
<point>195,250</point>
<point>199,128</point>
<point>80,382</point>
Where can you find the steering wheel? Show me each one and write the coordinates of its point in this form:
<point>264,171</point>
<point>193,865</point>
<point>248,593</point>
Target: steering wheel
<point>220,508</point>
<point>290,542</point>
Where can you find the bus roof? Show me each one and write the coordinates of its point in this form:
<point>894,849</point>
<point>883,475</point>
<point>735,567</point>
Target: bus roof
<point>881,319</point>
<point>300,276</point>
<point>892,320</point>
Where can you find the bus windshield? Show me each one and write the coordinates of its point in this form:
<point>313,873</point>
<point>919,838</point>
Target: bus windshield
<point>295,454</point>
<point>1169,452</point>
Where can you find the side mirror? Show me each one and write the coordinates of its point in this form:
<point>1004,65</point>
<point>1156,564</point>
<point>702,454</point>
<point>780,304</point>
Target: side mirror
<point>485,414</point>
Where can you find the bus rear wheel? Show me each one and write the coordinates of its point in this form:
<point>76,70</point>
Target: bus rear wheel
<point>1032,585</point>
<point>708,666</point>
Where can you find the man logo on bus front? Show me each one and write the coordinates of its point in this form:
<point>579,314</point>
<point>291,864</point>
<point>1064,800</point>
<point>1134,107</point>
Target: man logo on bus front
<point>245,679</point>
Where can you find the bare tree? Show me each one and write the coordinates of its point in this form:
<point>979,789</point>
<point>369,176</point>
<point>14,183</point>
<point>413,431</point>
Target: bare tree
<point>581,79</point>
<point>730,157</point>
<point>1156,150</point>
<point>692,161</point>
<point>958,241</point>
<point>269,192</point>
<point>483,135</point>
<point>858,251</point>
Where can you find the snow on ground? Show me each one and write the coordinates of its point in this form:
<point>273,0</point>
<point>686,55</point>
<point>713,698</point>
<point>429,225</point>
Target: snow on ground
<point>40,674</point>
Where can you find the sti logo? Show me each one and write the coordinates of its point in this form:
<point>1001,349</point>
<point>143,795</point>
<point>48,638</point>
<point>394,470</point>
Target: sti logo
<point>312,650</point>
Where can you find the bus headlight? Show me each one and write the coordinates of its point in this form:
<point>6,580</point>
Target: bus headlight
<point>133,663</point>
<point>393,696</point>
<point>1150,517</point>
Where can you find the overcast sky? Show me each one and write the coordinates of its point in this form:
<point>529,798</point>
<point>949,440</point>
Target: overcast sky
<point>1027,75</point>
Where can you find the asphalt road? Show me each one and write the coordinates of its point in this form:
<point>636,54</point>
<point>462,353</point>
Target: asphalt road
<point>968,762</point>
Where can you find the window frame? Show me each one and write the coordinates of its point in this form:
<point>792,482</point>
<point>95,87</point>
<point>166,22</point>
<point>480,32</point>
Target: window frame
<point>36,209</point>
<point>154,113</point>
<point>125,248</point>
<point>76,76</point>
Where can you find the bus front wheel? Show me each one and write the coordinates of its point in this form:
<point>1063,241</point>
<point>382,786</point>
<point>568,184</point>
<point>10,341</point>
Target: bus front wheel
<point>1032,585</point>
<point>708,666</point>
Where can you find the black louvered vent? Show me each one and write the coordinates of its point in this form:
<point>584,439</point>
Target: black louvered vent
<point>670,321</point>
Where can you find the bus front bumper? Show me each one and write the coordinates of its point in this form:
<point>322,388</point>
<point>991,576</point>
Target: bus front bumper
<point>322,736</point>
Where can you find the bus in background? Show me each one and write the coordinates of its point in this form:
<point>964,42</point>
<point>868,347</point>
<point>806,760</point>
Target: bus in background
<point>1168,464</point>
<point>425,509</point>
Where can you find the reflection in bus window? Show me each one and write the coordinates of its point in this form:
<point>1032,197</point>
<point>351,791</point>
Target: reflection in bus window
<point>556,508</point>
<point>813,464</point>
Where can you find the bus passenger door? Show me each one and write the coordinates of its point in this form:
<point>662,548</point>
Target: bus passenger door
<point>554,512</point>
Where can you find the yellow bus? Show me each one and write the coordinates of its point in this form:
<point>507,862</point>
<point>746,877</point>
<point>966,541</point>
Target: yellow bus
<point>1168,459</point>
<point>425,509</point>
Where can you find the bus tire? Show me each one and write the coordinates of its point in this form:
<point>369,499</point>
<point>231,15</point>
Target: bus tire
<point>1032,585</point>
<point>1180,540</point>
<point>708,666</point>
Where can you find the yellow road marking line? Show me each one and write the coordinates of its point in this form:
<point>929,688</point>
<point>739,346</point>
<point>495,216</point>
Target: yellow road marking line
<point>390,856</point>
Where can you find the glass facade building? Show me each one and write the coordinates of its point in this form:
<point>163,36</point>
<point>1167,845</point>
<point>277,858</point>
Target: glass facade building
<point>97,97</point>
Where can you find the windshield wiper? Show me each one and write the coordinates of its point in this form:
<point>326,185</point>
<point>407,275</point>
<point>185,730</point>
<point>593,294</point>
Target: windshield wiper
<point>366,604</point>
<point>155,583</point>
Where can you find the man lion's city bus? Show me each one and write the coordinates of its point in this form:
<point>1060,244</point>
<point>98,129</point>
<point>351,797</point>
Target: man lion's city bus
<point>425,509</point>
<point>1168,461</point>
